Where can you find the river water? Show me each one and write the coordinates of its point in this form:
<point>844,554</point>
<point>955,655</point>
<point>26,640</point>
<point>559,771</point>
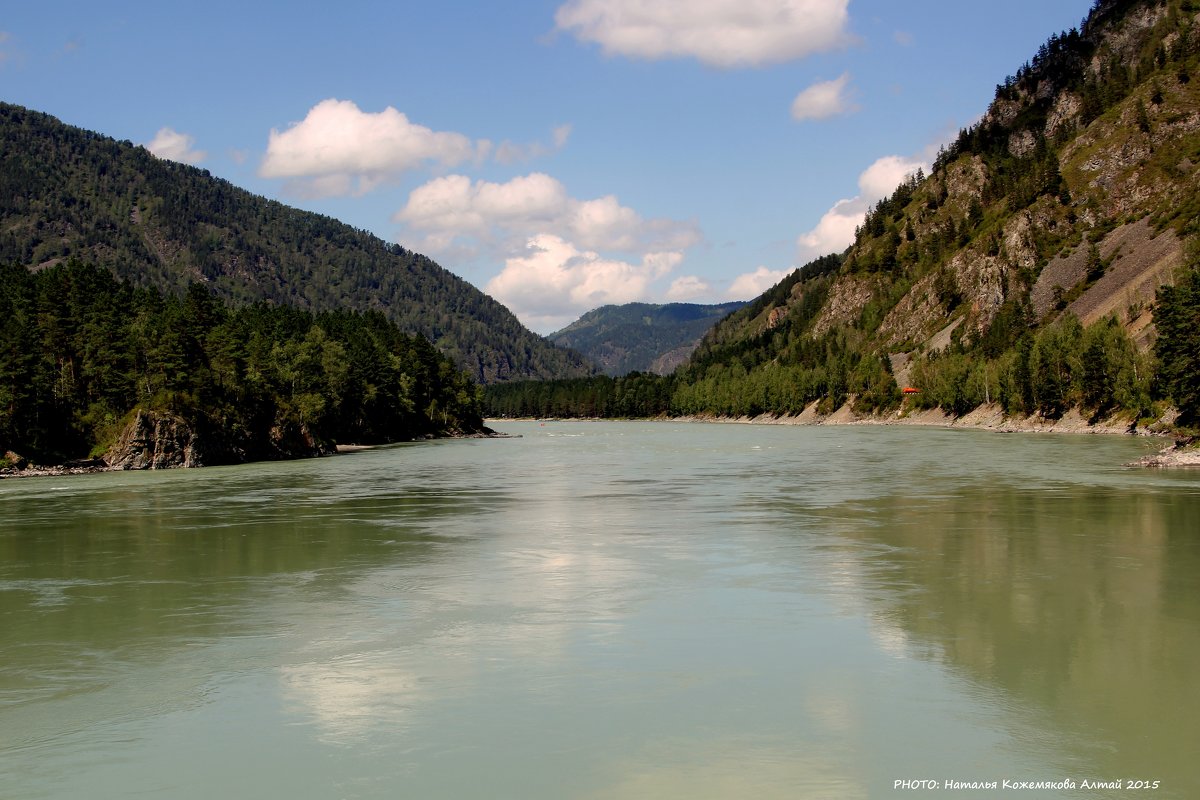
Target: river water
<point>609,610</point>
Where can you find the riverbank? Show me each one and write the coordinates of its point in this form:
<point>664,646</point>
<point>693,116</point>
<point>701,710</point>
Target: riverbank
<point>986,417</point>
<point>991,417</point>
<point>1181,453</point>
<point>20,467</point>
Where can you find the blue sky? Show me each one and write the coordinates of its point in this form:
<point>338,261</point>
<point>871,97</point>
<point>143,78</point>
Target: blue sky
<point>559,155</point>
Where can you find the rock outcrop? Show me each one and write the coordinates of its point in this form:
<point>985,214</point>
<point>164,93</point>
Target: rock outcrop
<point>162,440</point>
<point>156,440</point>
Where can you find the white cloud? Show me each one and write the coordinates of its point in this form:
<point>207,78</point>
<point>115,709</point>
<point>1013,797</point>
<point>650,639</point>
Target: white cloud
<point>722,33</point>
<point>823,100</point>
<point>175,146</point>
<point>686,287</point>
<point>451,211</point>
<point>882,177</point>
<point>751,284</point>
<point>835,230</point>
<point>553,282</point>
<point>557,249</point>
<point>904,38</point>
<point>337,148</point>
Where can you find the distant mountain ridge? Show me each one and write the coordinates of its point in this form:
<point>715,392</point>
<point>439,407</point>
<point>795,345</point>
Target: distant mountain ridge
<point>641,337</point>
<point>70,193</point>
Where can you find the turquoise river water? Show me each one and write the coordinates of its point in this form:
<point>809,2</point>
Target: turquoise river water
<point>611,610</point>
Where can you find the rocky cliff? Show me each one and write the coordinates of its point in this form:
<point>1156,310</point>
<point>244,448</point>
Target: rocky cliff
<point>161,440</point>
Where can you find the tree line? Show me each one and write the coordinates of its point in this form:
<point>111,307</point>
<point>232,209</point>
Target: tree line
<point>81,351</point>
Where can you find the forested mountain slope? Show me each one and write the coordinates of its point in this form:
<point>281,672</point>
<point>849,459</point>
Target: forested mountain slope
<point>1028,268</point>
<point>67,192</point>
<point>641,337</point>
<point>1024,268</point>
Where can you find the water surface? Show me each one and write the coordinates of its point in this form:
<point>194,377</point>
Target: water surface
<point>607,610</point>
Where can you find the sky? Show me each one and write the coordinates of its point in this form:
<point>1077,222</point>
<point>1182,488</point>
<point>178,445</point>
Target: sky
<point>560,154</point>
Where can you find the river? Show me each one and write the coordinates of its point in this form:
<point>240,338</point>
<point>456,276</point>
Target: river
<point>610,610</point>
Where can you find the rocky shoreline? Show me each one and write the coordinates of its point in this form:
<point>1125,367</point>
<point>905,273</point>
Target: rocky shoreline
<point>161,442</point>
<point>986,417</point>
<point>991,417</point>
<point>1181,453</point>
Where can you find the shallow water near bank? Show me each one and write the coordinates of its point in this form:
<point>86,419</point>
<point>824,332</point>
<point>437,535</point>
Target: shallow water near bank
<point>607,610</point>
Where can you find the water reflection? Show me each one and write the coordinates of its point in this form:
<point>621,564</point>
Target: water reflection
<point>1075,600</point>
<point>1080,605</point>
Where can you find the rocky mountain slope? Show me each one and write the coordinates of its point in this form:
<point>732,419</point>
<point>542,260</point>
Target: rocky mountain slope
<point>641,337</point>
<point>69,193</point>
<point>1073,198</point>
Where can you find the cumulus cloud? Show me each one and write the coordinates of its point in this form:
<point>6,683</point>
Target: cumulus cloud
<point>885,174</point>
<point>453,211</point>
<point>823,100</point>
<point>721,33</point>
<point>751,284</point>
<point>553,282</point>
<point>686,287</point>
<point>175,146</point>
<point>835,230</point>
<point>338,148</point>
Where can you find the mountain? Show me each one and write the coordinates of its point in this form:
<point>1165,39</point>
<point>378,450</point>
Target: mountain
<point>70,193</point>
<point>1024,268</point>
<point>641,337</point>
<point>1032,268</point>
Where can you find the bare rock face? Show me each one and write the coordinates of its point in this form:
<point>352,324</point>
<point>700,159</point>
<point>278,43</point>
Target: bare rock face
<point>1065,113</point>
<point>846,300</point>
<point>161,440</point>
<point>155,440</point>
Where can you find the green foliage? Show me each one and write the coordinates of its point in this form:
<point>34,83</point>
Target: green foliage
<point>1055,366</point>
<point>1115,375</point>
<point>952,381</point>
<point>1060,366</point>
<point>80,351</point>
<point>1177,316</point>
<point>634,395</point>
